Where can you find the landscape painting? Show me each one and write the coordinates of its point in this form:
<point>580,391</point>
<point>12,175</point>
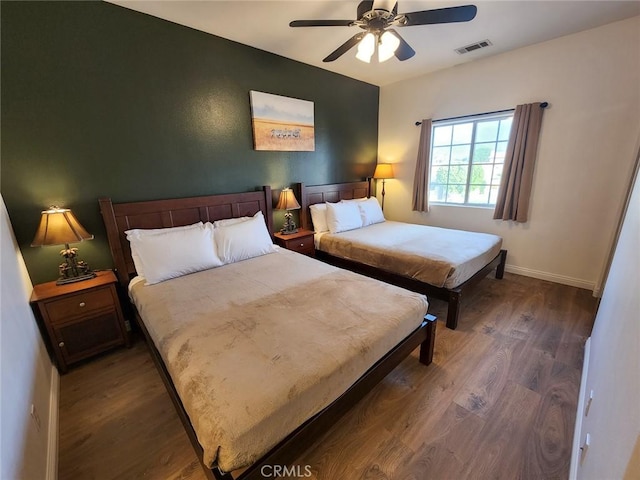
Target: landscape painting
<point>282,123</point>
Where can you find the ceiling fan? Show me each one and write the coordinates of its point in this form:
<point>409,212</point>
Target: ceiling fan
<point>377,18</point>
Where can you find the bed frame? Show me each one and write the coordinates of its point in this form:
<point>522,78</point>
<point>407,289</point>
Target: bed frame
<point>345,191</point>
<point>177,212</point>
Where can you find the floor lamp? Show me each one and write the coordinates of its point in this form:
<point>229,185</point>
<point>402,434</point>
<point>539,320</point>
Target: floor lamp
<point>383,171</point>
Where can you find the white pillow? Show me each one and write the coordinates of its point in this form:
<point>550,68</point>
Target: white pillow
<point>343,216</point>
<point>141,232</point>
<point>354,200</point>
<point>154,231</point>
<point>244,240</point>
<point>230,221</point>
<point>370,211</point>
<point>175,253</point>
<point>319,217</point>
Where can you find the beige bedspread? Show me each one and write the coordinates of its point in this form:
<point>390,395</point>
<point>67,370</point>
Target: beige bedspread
<point>438,256</point>
<point>257,347</point>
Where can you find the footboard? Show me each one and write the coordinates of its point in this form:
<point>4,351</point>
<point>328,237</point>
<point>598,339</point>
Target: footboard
<point>453,296</point>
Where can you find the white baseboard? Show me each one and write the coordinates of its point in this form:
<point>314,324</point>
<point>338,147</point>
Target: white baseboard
<point>577,431</point>
<point>551,277</point>
<point>52,447</point>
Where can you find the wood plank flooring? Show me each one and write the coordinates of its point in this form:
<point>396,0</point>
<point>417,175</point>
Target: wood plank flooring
<point>498,402</point>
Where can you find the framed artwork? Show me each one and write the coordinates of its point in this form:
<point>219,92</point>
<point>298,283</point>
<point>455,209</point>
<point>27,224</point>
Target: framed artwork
<point>281,123</point>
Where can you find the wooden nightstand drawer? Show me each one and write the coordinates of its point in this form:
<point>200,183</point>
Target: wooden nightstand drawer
<point>79,304</point>
<point>302,246</point>
<point>301,242</point>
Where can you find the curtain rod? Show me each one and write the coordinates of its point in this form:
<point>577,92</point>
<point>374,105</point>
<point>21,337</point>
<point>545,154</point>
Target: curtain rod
<point>542,105</point>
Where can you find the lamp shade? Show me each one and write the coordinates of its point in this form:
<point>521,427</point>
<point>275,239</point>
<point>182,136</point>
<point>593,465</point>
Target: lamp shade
<point>366,47</point>
<point>383,170</point>
<point>59,226</point>
<point>287,200</point>
<point>389,43</point>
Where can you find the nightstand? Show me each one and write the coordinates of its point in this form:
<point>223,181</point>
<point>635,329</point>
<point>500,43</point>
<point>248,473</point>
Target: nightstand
<point>301,242</point>
<point>79,320</point>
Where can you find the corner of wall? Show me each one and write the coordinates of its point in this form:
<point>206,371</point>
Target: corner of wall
<point>621,211</point>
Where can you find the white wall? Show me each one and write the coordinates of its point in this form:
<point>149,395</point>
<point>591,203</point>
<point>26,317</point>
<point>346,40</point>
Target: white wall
<point>591,80</point>
<point>26,373</point>
<point>613,369</point>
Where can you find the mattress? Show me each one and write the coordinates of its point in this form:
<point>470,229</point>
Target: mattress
<point>441,257</point>
<point>257,347</point>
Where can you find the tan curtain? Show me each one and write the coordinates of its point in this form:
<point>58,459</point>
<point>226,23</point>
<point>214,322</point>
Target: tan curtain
<point>517,176</point>
<point>421,177</point>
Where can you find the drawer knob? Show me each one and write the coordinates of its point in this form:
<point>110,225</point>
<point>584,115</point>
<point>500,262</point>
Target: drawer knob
<point>82,304</point>
<point>61,344</point>
<point>302,244</point>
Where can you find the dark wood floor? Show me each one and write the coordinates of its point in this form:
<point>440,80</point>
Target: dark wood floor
<point>498,402</point>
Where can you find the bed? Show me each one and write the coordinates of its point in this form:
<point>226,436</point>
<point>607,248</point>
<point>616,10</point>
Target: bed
<point>377,251</point>
<point>201,326</point>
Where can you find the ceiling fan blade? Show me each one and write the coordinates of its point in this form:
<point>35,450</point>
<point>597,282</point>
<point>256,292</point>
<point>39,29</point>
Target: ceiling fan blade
<point>440,15</point>
<point>321,23</point>
<point>346,46</point>
<point>404,50</point>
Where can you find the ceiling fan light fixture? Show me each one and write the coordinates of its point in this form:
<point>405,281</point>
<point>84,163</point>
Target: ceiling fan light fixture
<point>378,18</point>
<point>366,48</point>
<point>389,43</point>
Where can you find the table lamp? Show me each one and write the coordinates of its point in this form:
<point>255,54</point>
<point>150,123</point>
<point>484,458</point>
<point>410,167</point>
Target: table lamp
<point>383,171</point>
<point>288,202</point>
<point>59,226</point>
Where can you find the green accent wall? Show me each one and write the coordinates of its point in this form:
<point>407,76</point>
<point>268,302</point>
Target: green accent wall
<point>98,100</point>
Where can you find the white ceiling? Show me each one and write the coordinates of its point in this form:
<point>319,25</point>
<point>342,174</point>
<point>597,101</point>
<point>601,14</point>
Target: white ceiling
<point>508,25</point>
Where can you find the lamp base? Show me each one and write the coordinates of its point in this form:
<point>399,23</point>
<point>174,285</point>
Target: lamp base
<point>79,278</point>
<point>289,226</point>
<point>73,270</point>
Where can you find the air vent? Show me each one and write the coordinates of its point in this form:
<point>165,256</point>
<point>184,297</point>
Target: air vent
<point>473,46</point>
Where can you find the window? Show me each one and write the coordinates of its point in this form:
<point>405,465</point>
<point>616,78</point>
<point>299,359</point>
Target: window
<point>467,156</point>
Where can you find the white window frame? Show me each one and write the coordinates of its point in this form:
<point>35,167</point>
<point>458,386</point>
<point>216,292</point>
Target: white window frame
<point>500,140</point>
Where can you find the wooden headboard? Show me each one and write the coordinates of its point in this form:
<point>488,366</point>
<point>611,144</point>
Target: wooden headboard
<point>332,192</point>
<point>175,212</point>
